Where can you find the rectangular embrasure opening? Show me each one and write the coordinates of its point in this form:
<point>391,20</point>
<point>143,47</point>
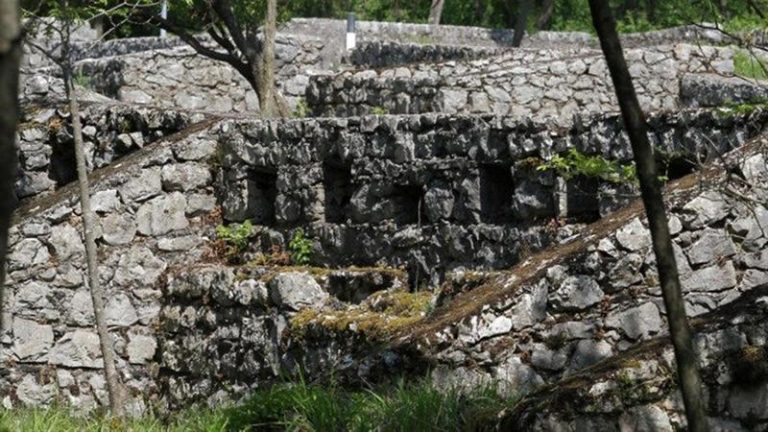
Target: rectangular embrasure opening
<point>496,190</point>
<point>337,185</point>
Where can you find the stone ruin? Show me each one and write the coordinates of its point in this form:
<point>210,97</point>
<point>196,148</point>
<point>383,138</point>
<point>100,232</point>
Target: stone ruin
<point>438,246</point>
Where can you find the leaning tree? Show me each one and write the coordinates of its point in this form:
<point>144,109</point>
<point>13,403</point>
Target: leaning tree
<point>234,37</point>
<point>650,187</point>
<point>59,49</point>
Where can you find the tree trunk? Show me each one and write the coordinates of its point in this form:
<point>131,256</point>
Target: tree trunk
<point>479,13</point>
<point>650,10</point>
<point>436,11</point>
<point>10,57</point>
<point>634,121</point>
<point>97,292</point>
<point>544,22</point>
<point>523,10</point>
<point>270,102</point>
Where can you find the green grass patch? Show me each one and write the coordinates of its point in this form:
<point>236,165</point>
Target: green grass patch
<point>748,66</point>
<point>62,420</point>
<point>298,407</point>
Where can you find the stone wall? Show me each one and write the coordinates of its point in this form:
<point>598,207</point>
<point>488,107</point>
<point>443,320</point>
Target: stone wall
<point>46,147</point>
<point>420,191</point>
<point>597,302</point>
<point>179,78</point>
<point>380,54</point>
<point>553,84</point>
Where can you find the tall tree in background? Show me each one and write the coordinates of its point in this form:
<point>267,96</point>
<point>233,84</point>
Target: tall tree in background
<point>544,21</point>
<point>61,54</point>
<point>436,11</point>
<point>634,122</point>
<point>10,57</point>
<point>521,20</point>
<point>233,27</point>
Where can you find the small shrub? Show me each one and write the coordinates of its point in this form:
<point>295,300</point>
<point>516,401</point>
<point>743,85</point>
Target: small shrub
<point>235,236</point>
<point>574,163</point>
<point>302,109</point>
<point>379,110</point>
<point>82,80</point>
<point>300,248</point>
<point>747,65</point>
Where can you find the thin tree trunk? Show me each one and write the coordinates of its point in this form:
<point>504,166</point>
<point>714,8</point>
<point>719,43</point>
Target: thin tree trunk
<point>10,57</point>
<point>650,10</point>
<point>523,10</point>
<point>634,121</point>
<point>544,22</point>
<point>97,292</point>
<point>436,11</point>
<point>479,12</point>
<point>270,102</point>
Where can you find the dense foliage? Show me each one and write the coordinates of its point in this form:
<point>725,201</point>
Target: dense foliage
<point>566,15</point>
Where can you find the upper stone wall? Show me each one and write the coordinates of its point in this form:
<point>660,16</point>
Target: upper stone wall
<point>555,84</point>
<point>181,79</point>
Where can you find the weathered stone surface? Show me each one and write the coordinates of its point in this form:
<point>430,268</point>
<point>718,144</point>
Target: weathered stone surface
<point>105,201</point>
<point>712,278</point>
<point>517,377</point>
<point>706,209</point>
<point>30,339</point>
<point>79,348</point>
<point>27,253</point>
<point>80,309</point>
<point>530,309</point>
<point>140,348</point>
<point>713,245</point>
<point>296,291</point>
<point>638,322</point>
<point>545,358</point>
<point>146,186</point>
<point>33,394</point>
<point>118,229</point>
<point>195,150</point>
<point>184,177</point>
<point>576,292</point>
<point>634,236</point>
<point>120,312</point>
<point>589,352</point>
<point>138,267</point>
<point>162,215</point>
<point>66,241</point>
<point>498,326</point>
<point>648,418</point>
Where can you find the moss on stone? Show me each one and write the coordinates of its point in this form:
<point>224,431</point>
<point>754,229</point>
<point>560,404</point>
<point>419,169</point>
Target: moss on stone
<point>379,316</point>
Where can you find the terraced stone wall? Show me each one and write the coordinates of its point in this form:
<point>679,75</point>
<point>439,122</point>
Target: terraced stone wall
<point>553,84</point>
<point>181,79</point>
<point>366,190</point>
<point>46,147</point>
<point>599,302</point>
<point>437,192</point>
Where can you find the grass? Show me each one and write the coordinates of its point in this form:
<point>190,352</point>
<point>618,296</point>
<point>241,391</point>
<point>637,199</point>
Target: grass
<point>62,420</point>
<point>297,407</point>
<point>748,66</point>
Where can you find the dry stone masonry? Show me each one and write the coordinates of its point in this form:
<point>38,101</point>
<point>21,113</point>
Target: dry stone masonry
<point>438,244</point>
